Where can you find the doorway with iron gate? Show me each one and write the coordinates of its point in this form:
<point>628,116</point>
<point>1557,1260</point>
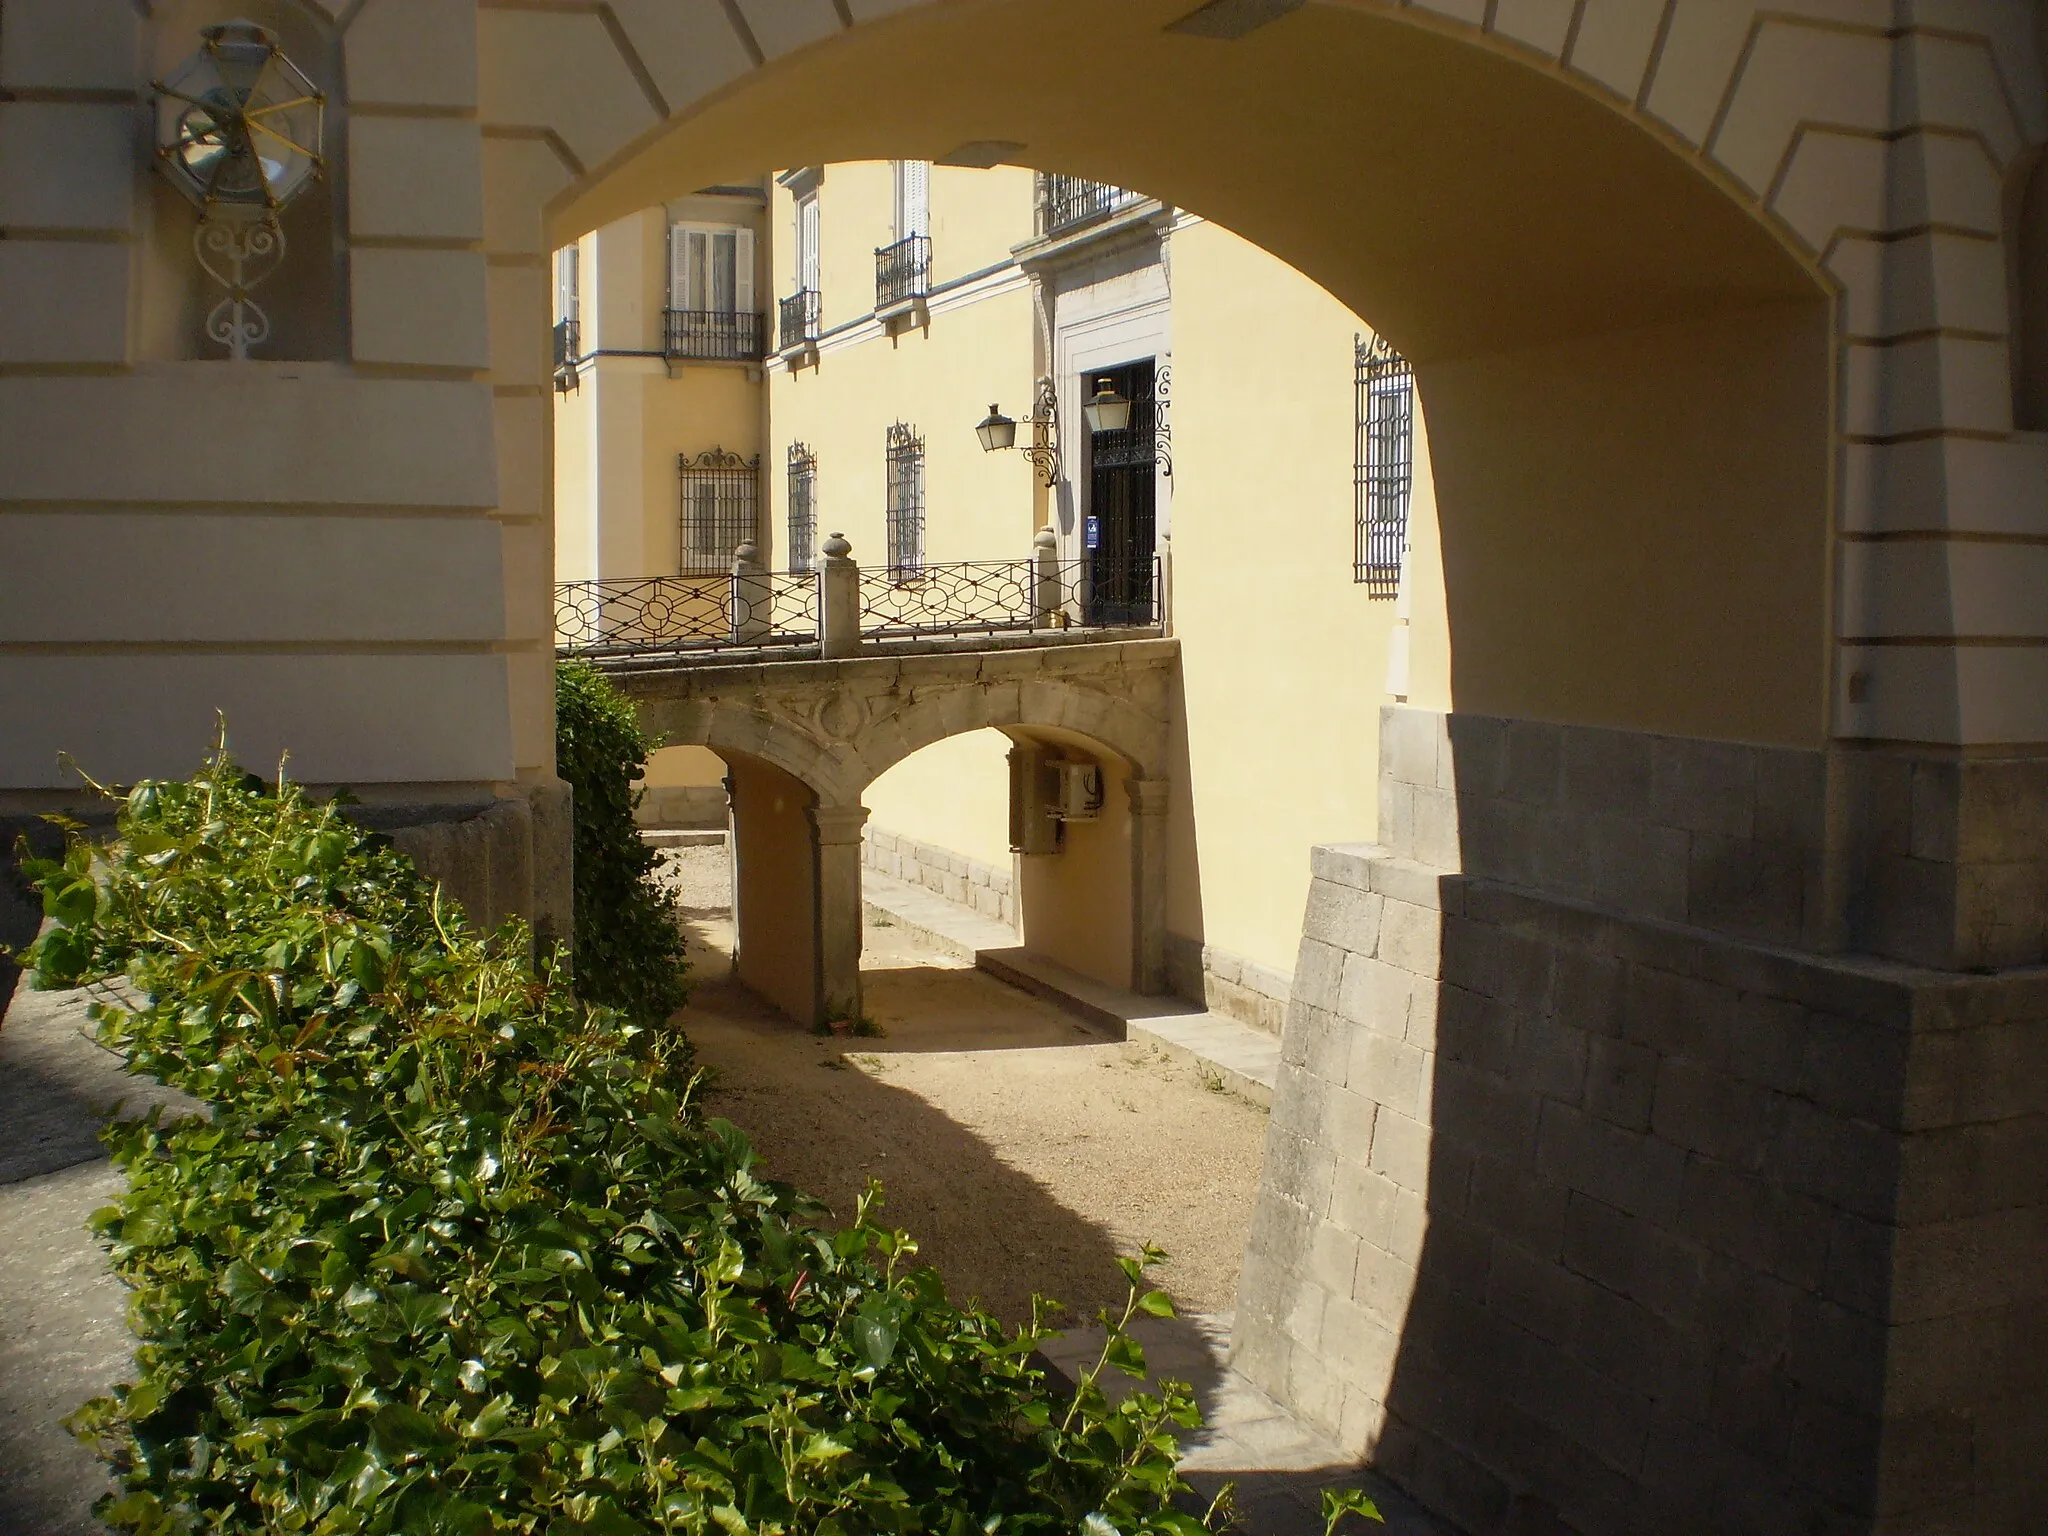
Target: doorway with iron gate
<point>1119,527</point>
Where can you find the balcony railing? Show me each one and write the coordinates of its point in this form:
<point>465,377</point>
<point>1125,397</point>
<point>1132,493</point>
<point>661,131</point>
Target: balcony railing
<point>903,271</point>
<point>638,615</point>
<point>799,317</point>
<point>711,335</point>
<point>985,597</point>
<point>1067,202</point>
<point>568,344</point>
<point>670,615</point>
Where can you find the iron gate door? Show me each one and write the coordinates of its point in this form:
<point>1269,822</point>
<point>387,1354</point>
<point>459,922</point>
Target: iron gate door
<point>1123,489</point>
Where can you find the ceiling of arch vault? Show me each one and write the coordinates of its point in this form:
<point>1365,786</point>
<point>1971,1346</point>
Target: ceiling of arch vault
<point>1463,200</point>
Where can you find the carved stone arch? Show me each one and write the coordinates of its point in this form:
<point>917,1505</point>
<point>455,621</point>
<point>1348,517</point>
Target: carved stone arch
<point>1134,736</point>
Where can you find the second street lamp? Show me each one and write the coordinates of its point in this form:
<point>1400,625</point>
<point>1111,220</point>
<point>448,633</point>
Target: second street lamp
<point>998,431</point>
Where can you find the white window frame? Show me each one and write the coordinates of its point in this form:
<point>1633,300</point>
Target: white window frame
<point>912,203</point>
<point>569,285</point>
<point>682,265</point>
<point>807,240</point>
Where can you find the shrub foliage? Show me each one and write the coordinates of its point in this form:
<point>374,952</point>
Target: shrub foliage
<point>629,948</point>
<point>454,1253</point>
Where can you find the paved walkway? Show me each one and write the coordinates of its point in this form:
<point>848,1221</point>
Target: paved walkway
<point>1279,1464</point>
<point>1245,1059</point>
<point>63,1337</point>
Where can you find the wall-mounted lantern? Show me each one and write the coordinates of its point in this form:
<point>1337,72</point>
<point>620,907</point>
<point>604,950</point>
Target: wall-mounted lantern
<point>999,431</point>
<point>239,131</point>
<point>1106,410</point>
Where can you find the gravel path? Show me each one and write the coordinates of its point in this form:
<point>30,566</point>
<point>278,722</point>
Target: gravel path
<point>1023,1151</point>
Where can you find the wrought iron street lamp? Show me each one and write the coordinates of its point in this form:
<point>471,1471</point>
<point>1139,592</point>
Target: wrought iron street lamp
<point>1106,410</point>
<point>239,129</point>
<point>998,431</point>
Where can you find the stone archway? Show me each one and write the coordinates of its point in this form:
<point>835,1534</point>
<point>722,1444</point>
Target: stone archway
<point>1706,299</point>
<point>833,727</point>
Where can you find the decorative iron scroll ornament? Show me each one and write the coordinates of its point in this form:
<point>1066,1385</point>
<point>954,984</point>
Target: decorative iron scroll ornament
<point>239,129</point>
<point>1162,426</point>
<point>998,431</point>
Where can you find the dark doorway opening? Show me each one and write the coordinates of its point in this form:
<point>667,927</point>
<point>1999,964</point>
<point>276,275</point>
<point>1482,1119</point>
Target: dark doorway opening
<point>1121,528</point>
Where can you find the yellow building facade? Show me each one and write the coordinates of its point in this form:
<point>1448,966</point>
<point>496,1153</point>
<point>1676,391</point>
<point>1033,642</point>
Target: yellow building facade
<point>1262,447</point>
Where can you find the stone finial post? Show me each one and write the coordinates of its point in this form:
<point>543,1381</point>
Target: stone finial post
<point>1164,601</point>
<point>752,597</point>
<point>1047,610</point>
<point>838,599</point>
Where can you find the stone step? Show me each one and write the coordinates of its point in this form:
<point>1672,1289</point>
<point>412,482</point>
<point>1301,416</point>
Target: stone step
<point>1244,1060</point>
<point>1278,1463</point>
<point>683,837</point>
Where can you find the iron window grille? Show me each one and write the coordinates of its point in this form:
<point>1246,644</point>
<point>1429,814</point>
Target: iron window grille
<point>711,335</point>
<point>903,271</point>
<point>1066,202</point>
<point>1384,464</point>
<point>905,503</point>
<point>568,344</point>
<point>799,319</point>
<point>719,500</point>
<point>803,506</point>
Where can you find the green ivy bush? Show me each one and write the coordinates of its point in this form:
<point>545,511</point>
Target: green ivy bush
<point>629,945</point>
<point>455,1253</point>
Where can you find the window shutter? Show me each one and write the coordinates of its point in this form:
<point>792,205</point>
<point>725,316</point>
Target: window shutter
<point>565,283</point>
<point>807,244</point>
<point>743,272</point>
<point>913,198</point>
<point>678,267</point>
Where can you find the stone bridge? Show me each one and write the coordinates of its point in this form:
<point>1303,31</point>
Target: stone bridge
<point>804,738</point>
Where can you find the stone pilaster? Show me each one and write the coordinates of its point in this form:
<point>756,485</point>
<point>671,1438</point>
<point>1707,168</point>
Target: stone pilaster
<point>1148,884</point>
<point>836,837</point>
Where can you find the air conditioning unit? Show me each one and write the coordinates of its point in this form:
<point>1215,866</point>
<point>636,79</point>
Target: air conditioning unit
<point>1080,792</point>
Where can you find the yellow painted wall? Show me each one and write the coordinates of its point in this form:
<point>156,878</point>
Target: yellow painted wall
<point>937,378</point>
<point>681,767</point>
<point>955,794</point>
<point>1076,904</point>
<point>619,433</point>
<point>1283,654</point>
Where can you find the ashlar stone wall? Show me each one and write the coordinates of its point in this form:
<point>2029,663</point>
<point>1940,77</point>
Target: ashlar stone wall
<point>1586,1220</point>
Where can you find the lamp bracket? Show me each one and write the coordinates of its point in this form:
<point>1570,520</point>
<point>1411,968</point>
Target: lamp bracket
<point>1044,448</point>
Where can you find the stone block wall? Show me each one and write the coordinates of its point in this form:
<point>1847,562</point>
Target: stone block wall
<point>1585,1219</point>
<point>682,805</point>
<point>1228,984</point>
<point>983,887</point>
<point>1932,857</point>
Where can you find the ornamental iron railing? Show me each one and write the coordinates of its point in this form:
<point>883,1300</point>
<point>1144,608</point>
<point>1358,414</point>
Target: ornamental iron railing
<point>752,608</point>
<point>903,271</point>
<point>799,319</point>
<point>1384,465</point>
<point>712,335</point>
<point>962,598</point>
<point>638,615</point>
<point>1068,202</point>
